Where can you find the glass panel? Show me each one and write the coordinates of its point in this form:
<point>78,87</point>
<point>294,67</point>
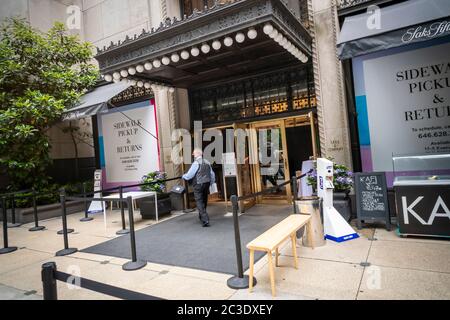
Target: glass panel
<point>271,161</point>
<point>190,5</point>
<point>259,96</point>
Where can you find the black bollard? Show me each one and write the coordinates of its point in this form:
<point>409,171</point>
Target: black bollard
<point>35,214</point>
<point>294,193</point>
<point>6,248</point>
<point>13,223</point>
<point>86,208</point>
<point>240,281</point>
<point>122,214</point>
<point>48,275</point>
<point>134,264</point>
<point>66,251</point>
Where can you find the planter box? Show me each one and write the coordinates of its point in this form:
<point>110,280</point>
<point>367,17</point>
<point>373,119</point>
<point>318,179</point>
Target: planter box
<point>44,212</point>
<point>147,207</point>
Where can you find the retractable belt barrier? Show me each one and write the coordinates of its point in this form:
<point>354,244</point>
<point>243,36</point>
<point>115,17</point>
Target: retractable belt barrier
<point>50,276</point>
<point>240,281</point>
<point>83,197</point>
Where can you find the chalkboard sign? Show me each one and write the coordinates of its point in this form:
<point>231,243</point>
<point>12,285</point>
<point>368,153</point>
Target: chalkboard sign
<point>371,198</point>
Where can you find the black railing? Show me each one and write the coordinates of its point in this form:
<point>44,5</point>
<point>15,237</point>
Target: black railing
<point>240,281</point>
<point>83,197</point>
<point>50,277</point>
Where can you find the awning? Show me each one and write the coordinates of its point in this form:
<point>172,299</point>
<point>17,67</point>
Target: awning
<point>225,41</point>
<point>95,102</point>
<point>400,24</point>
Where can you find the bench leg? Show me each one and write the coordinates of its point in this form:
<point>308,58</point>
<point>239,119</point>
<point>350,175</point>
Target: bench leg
<point>277,254</point>
<point>252,262</point>
<point>294,249</point>
<point>310,233</point>
<point>272,273</point>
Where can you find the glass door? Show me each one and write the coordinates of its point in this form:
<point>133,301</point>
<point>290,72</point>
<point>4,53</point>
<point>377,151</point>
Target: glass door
<point>271,166</point>
<point>244,171</point>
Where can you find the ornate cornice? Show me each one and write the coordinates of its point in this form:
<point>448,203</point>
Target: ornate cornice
<point>219,20</point>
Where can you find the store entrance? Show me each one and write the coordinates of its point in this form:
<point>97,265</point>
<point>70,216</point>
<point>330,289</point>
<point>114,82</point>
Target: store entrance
<point>289,141</point>
<point>273,151</point>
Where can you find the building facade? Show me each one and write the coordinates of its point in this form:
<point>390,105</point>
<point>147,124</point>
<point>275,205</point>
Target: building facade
<point>295,87</point>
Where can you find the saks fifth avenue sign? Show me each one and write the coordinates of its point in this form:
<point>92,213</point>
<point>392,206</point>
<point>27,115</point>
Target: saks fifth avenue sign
<point>426,32</point>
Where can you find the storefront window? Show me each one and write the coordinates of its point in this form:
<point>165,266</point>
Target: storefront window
<point>271,94</point>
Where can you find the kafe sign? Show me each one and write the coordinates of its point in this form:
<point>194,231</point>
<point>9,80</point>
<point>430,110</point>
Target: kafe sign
<point>129,143</point>
<point>423,210</point>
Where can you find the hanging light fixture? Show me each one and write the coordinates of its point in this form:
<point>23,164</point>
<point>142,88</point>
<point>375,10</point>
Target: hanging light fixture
<point>195,52</point>
<point>252,33</point>
<point>273,34</point>
<point>205,48</point>
<point>140,68</point>
<point>165,60</point>
<point>148,66</point>
<point>140,84</point>
<point>108,78</point>
<point>278,38</point>
<point>124,73</point>
<point>240,37</point>
<point>116,76</point>
<point>268,28</point>
<point>171,89</point>
<point>132,71</point>
<point>147,85</point>
<point>228,41</point>
<point>133,82</point>
<point>175,57</point>
<point>216,45</point>
<point>156,63</point>
<point>184,55</point>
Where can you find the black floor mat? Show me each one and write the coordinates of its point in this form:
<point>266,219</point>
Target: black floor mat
<point>182,241</point>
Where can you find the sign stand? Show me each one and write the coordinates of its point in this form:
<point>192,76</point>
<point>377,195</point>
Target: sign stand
<point>97,206</point>
<point>371,198</point>
<point>229,170</point>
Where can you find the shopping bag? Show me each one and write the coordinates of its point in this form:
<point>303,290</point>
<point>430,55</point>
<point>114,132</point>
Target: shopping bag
<point>213,188</point>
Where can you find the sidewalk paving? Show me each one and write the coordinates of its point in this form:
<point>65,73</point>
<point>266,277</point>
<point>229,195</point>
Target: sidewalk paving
<point>401,268</point>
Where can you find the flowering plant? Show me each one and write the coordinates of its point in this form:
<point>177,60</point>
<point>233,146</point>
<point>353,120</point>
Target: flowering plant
<point>156,179</point>
<point>342,178</point>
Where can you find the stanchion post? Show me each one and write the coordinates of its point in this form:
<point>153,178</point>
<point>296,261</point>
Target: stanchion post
<point>63,231</point>
<point>294,193</point>
<point>122,214</point>
<point>240,281</point>
<point>49,287</point>
<point>66,251</point>
<point>6,248</point>
<point>134,264</point>
<point>86,208</point>
<point>13,223</point>
<point>35,215</point>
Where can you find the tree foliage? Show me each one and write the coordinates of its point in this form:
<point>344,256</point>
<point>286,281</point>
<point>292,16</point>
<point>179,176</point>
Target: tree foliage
<point>41,74</point>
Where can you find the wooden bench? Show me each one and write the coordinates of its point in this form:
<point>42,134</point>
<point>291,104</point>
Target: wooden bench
<point>273,238</point>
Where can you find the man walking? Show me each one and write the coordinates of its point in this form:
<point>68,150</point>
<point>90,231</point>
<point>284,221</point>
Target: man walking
<point>202,177</point>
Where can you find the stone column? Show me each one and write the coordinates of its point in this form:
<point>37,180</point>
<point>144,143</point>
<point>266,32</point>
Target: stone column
<point>167,122</point>
<point>331,105</point>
